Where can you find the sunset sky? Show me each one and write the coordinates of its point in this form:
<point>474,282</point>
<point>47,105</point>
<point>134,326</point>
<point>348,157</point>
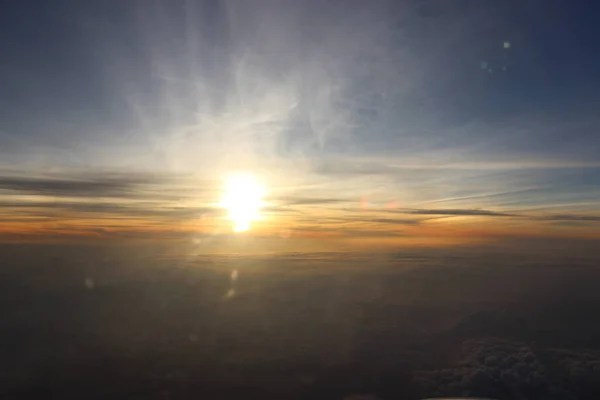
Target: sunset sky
<point>430,122</point>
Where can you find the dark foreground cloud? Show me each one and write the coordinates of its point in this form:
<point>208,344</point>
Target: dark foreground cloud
<point>502,368</point>
<point>324,324</point>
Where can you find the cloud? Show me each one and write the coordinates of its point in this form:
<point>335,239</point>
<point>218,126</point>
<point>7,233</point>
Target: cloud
<point>394,221</point>
<point>308,201</point>
<point>379,166</point>
<point>159,199</point>
<point>357,221</point>
<point>106,210</point>
<point>71,186</point>
<point>571,217</point>
<point>460,212</point>
<point>347,232</point>
<point>489,213</point>
<point>501,368</point>
<point>279,210</point>
<point>353,167</point>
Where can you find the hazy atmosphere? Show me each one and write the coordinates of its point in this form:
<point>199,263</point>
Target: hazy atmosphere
<point>300,199</point>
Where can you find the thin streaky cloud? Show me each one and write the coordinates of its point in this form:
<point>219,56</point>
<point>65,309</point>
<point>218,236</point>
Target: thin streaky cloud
<point>570,217</point>
<point>375,166</point>
<point>305,201</point>
<point>488,195</point>
<point>107,210</point>
<point>459,212</point>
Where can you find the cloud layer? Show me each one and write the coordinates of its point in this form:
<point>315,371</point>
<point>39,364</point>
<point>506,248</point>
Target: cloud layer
<point>107,203</point>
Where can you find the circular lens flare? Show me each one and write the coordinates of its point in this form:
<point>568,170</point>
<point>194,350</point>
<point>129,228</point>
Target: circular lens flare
<point>243,200</point>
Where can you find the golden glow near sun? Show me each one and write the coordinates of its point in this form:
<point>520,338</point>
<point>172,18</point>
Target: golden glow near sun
<point>243,200</point>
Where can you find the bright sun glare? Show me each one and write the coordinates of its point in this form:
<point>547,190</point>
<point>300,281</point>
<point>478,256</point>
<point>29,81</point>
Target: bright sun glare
<point>243,200</point>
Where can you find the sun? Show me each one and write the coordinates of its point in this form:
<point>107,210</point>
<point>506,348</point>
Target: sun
<point>242,198</point>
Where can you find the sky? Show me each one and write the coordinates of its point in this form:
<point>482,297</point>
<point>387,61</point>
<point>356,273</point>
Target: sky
<point>369,124</point>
